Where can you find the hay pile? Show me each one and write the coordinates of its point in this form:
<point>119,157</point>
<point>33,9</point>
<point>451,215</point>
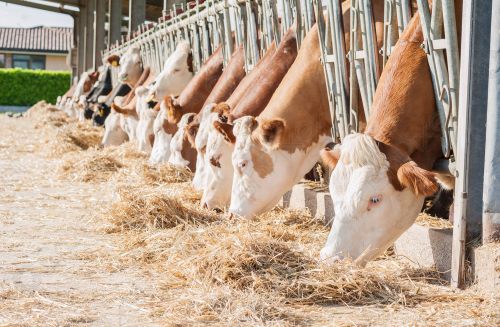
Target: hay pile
<point>62,134</point>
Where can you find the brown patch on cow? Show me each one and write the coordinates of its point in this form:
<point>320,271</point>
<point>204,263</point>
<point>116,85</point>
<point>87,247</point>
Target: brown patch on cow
<point>91,79</point>
<point>214,162</point>
<point>131,95</point>
<point>330,157</point>
<point>113,59</point>
<point>151,139</point>
<point>191,132</point>
<point>226,130</point>
<point>169,128</point>
<point>204,149</point>
<point>189,154</point>
<point>262,162</point>
<point>271,133</point>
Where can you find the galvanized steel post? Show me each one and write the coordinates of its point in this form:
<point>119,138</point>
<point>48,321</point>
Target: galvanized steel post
<point>89,34</point>
<point>469,153</point>
<point>99,32</point>
<point>115,21</point>
<point>491,188</point>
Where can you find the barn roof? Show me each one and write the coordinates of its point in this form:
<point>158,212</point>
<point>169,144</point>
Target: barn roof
<point>36,39</point>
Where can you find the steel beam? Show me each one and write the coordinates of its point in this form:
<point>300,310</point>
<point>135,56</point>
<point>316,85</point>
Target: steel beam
<point>473,101</point>
<point>81,42</point>
<point>89,35</point>
<point>99,32</point>
<point>491,189</point>
<point>42,7</point>
<point>137,14</point>
<point>115,21</point>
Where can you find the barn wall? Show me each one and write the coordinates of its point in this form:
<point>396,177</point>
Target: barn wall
<point>56,63</point>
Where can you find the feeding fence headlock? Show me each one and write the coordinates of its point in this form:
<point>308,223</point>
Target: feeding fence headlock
<point>343,89</point>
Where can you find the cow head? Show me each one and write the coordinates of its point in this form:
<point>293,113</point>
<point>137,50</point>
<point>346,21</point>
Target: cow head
<point>269,159</point>
<point>114,133</point>
<point>113,60</point>
<point>182,154</point>
<point>146,119</point>
<point>163,133</point>
<point>220,171</point>
<point>128,120</point>
<point>377,193</point>
<point>176,75</point>
<point>199,132</point>
<point>130,67</point>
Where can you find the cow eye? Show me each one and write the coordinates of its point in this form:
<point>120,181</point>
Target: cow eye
<point>176,70</point>
<point>375,200</point>
<point>217,157</point>
<point>242,166</point>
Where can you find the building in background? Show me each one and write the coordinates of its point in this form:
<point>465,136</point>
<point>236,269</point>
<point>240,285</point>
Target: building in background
<point>38,47</point>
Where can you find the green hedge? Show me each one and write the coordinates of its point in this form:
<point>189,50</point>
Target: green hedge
<point>25,87</point>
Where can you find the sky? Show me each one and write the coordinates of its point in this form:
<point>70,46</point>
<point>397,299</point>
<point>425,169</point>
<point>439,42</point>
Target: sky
<point>21,16</point>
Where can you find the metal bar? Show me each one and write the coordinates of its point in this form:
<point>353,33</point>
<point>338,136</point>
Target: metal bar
<point>491,189</point>
<point>469,154</point>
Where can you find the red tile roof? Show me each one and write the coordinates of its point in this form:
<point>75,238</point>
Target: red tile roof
<point>36,39</point>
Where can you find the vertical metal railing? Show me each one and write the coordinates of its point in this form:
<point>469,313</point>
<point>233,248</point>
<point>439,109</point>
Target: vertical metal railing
<point>444,71</point>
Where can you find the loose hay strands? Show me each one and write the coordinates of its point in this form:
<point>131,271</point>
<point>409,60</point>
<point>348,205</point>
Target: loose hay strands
<point>433,222</point>
<point>60,133</point>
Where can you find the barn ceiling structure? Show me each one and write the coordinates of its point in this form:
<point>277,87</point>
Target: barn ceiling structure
<point>91,17</point>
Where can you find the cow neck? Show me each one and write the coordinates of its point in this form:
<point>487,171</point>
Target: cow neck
<point>198,89</point>
<point>230,78</point>
<point>301,100</point>
<point>262,89</point>
<point>240,91</point>
<point>404,113</point>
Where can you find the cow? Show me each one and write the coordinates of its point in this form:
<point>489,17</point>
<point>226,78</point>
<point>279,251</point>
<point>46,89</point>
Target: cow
<point>381,176</point>
<point>276,149</point>
<point>199,130</point>
<point>221,140</point>
<point>131,68</point>
<point>83,87</point>
<point>103,108</point>
<point>191,99</point>
<point>176,75</point>
<point>104,86</point>
<point>183,154</point>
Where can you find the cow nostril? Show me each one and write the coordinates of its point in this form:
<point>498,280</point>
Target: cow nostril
<point>204,205</point>
<point>231,216</point>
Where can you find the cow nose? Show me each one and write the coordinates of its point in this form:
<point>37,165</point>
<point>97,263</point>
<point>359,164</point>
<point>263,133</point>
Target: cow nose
<point>231,216</point>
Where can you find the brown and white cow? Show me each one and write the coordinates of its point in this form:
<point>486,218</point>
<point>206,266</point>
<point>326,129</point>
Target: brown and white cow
<point>83,87</point>
<point>130,66</point>
<point>180,146</point>
<point>276,149</point>
<point>191,99</point>
<point>221,140</point>
<point>382,176</point>
<point>199,130</point>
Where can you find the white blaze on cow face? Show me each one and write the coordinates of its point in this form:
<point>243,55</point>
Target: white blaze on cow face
<point>201,140</point>
<point>369,212</point>
<point>177,143</point>
<point>219,168</point>
<point>146,120</point>
<point>130,67</point>
<point>175,76</point>
<point>262,172</point>
<point>161,147</point>
<point>114,134</point>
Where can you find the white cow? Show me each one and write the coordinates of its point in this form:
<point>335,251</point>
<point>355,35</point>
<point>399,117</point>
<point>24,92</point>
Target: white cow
<point>131,67</point>
<point>161,147</point>
<point>178,143</point>
<point>146,119</point>
<point>199,180</point>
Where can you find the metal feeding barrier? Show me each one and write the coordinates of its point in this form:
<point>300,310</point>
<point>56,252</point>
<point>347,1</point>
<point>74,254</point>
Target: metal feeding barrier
<point>345,86</point>
<point>206,24</point>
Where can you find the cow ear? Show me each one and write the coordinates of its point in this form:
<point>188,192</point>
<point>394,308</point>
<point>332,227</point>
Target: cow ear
<point>190,62</point>
<point>226,130</point>
<point>113,60</point>
<point>174,113</point>
<point>419,181</point>
<point>191,131</point>
<point>272,132</point>
<point>222,109</point>
<point>330,157</point>
<point>119,110</point>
